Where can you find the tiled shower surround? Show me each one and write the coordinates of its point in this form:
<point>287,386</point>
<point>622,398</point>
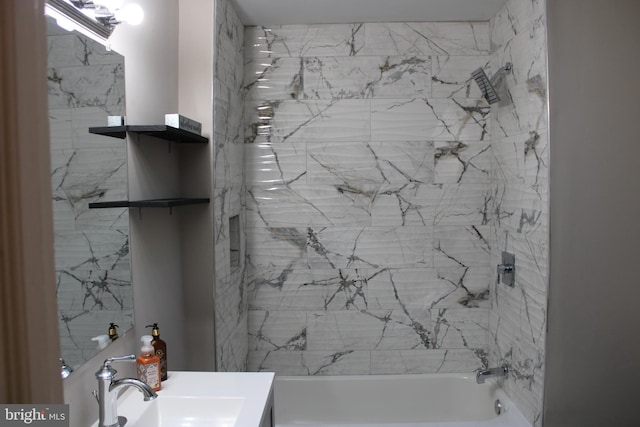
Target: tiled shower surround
<point>379,192</point>
<point>367,160</point>
<point>520,201</point>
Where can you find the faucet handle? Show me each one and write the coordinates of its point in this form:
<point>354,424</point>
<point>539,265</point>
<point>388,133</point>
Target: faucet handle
<point>109,360</point>
<point>106,372</point>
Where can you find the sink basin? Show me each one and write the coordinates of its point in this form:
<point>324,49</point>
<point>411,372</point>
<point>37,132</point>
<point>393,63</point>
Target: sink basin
<point>199,399</point>
<point>168,411</point>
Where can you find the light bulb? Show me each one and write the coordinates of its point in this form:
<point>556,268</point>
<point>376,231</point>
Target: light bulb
<point>109,4</point>
<point>131,14</point>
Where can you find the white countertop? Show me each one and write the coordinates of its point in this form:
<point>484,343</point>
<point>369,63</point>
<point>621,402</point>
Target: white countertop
<point>255,388</point>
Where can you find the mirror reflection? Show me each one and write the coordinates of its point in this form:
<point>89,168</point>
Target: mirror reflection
<point>86,84</point>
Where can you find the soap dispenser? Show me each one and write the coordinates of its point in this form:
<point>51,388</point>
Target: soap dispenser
<point>160,348</point>
<point>113,332</point>
<point>148,364</point>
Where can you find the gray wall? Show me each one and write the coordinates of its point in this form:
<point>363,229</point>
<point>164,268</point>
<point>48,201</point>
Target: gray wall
<point>593,353</point>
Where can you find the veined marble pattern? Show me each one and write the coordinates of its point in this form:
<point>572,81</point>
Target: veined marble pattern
<point>366,77</point>
<point>462,162</point>
<point>230,291</point>
<point>520,198</point>
<point>452,75</point>
<point>366,144</point>
<point>93,279</point>
<point>304,40</point>
<point>427,38</point>
<point>432,119</point>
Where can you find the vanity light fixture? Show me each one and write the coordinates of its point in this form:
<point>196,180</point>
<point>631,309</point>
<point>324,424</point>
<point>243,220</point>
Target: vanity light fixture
<point>94,18</point>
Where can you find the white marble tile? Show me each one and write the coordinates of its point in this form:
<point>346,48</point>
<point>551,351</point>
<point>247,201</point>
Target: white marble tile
<point>456,246</point>
<point>520,192</point>
<point>341,120</point>
<point>460,328</point>
<point>463,204</point>
<point>275,164</point>
<point>304,40</point>
<point>462,162</point>
<point>338,247</point>
<point>287,289</point>
<point>405,205</point>
<point>231,310</point>
<point>427,38</point>
<point>431,119</point>
<point>229,45</point>
<point>281,247</point>
<point>523,210</point>
<point>273,78</point>
<point>91,175</point>
<point>472,287</point>
<point>101,249</point>
<point>232,353</point>
<point>108,290</point>
<point>61,51</point>
<point>86,86</point>
<point>452,76</point>
<point>524,90</point>
<point>277,330</point>
<point>517,17</point>
<point>367,77</point>
<point>311,362</point>
<point>310,121</point>
<point>384,362</point>
<point>429,288</point>
<point>302,206</point>
<point>349,164</point>
<point>72,49</point>
<point>367,330</point>
<point>60,130</point>
<point>407,289</point>
<point>228,113</point>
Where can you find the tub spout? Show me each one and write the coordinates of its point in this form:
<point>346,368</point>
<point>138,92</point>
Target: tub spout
<point>483,374</point>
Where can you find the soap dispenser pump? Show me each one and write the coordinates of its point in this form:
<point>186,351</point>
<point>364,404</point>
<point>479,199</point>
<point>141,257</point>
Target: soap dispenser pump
<point>160,348</point>
<point>113,331</point>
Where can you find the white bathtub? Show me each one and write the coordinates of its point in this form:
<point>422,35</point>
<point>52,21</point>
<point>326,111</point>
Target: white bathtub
<point>439,400</point>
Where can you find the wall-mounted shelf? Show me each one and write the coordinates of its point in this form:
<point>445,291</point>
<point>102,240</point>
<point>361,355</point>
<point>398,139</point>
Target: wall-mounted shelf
<point>165,132</point>
<point>153,203</point>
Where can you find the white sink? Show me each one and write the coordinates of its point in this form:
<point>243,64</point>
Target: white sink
<point>199,399</point>
<point>171,411</point>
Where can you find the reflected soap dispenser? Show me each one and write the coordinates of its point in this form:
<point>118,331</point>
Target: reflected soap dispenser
<point>160,348</point>
<point>148,364</point>
<point>113,331</point>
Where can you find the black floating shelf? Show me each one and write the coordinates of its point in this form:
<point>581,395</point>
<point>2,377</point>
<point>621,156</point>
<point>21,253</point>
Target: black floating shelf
<point>154,203</point>
<point>112,131</point>
<point>165,132</point>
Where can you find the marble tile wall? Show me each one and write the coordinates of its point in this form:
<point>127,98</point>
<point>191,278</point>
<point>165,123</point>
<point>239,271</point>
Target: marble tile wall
<point>520,200</point>
<point>230,292</point>
<point>86,84</point>
<point>368,198</point>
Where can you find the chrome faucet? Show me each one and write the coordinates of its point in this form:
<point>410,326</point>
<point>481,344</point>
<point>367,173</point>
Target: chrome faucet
<point>483,374</point>
<point>108,387</point>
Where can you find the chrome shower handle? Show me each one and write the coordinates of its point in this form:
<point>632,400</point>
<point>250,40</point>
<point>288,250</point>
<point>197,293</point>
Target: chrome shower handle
<point>507,269</point>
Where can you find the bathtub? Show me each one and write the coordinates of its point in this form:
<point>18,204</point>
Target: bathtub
<point>438,400</point>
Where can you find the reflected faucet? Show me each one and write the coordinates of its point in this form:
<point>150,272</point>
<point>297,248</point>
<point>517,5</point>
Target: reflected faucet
<point>483,374</point>
<point>108,387</point>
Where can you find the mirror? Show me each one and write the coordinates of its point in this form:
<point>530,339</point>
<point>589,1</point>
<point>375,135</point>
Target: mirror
<point>86,84</point>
